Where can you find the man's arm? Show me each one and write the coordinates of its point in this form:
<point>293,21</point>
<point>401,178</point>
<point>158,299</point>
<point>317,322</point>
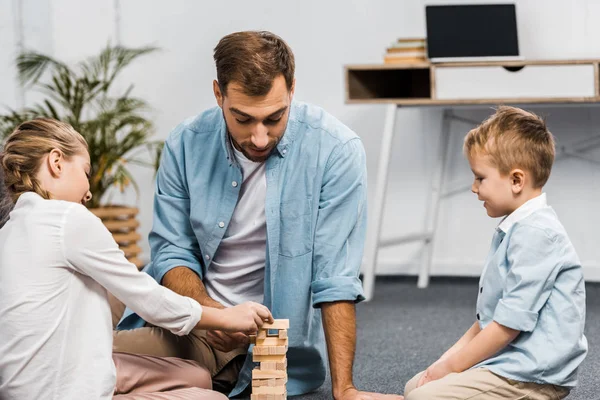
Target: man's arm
<point>337,251</point>
<point>175,249</point>
<point>339,323</point>
<point>187,283</point>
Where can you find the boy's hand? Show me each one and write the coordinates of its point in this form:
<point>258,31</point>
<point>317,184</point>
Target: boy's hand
<point>437,370</point>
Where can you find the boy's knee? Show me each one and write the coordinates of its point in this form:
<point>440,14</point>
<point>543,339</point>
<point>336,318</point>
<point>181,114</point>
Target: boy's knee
<point>422,393</point>
<point>411,385</point>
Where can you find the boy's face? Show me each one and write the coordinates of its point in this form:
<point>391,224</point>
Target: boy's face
<point>494,189</point>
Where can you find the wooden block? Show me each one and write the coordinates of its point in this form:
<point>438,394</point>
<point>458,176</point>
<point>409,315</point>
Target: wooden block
<point>269,390</point>
<point>268,396</point>
<point>262,334</point>
<point>258,374</point>
<point>269,382</point>
<point>269,350</point>
<point>267,357</point>
<point>271,341</point>
<point>272,365</point>
<point>281,366</point>
<point>260,350</point>
<point>252,339</point>
<point>276,350</point>
<point>268,365</point>
<point>277,324</point>
<point>283,334</point>
<point>277,382</point>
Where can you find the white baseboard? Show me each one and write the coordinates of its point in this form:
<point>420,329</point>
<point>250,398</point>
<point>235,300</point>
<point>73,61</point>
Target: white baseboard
<point>393,267</point>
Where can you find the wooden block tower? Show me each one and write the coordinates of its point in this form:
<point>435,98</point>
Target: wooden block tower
<point>270,377</point>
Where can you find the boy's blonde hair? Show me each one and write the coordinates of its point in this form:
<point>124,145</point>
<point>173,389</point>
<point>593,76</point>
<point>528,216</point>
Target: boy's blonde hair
<point>514,138</point>
<point>27,145</point>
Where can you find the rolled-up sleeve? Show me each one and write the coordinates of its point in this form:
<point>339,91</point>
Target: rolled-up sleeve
<point>533,267</point>
<point>172,239</point>
<point>340,227</point>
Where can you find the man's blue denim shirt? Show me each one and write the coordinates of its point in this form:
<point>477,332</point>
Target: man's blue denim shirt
<point>316,211</point>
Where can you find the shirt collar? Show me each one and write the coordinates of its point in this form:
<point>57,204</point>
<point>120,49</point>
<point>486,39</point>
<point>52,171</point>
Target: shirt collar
<point>528,208</point>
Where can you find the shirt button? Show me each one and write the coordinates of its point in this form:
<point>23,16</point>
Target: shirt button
<point>478,317</point>
<point>221,224</point>
<point>234,184</point>
<point>207,257</point>
<point>284,151</point>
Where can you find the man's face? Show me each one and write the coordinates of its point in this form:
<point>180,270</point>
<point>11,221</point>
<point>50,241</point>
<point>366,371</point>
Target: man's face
<point>255,123</point>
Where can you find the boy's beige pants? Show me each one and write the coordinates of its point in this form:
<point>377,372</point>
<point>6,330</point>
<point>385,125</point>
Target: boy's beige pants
<point>480,384</point>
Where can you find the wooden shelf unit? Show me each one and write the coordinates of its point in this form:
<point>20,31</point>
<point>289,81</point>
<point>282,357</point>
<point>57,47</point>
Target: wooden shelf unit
<point>415,84</point>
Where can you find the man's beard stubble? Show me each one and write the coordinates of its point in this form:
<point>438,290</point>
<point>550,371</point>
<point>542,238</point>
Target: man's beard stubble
<point>243,150</point>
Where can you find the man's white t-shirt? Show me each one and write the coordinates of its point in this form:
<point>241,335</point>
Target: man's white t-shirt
<point>57,261</point>
<point>237,272</point>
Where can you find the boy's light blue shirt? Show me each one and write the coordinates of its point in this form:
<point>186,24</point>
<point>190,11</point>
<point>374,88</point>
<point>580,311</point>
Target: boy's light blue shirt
<point>316,220</point>
<point>532,282</point>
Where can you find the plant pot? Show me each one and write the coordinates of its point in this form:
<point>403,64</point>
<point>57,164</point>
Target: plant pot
<point>122,223</point>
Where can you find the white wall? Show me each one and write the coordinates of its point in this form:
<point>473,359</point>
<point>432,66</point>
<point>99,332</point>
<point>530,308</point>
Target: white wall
<point>325,35</point>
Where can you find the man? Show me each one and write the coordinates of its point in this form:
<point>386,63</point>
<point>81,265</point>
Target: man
<point>263,199</point>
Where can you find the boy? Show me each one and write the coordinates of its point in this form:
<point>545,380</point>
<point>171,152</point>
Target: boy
<point>527,341</point>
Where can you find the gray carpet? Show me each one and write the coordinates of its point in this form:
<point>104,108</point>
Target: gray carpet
<point>404,329</point>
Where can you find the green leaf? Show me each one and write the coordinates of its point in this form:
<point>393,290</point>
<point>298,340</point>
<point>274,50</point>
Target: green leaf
<point>116,126</point>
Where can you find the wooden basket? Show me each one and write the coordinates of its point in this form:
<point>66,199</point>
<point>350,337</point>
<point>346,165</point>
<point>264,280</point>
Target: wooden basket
<point>122,223</point>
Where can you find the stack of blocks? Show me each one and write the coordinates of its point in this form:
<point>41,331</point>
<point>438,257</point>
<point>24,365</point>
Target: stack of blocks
<point>270,377</point>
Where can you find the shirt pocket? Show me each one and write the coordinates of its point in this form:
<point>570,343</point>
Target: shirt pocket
<point>296,230</point>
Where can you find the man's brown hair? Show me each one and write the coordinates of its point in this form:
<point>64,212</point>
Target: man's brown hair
<point>253,59</point>
<point>514,138</point>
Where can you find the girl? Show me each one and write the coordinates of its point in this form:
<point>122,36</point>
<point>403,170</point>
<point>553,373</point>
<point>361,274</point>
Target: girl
<point>57,264</point>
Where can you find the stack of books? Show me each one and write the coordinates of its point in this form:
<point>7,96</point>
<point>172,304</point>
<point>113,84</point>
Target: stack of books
<point>410,50</point>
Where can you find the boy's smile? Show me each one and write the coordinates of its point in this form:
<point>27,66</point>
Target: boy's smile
<point>491,187</point>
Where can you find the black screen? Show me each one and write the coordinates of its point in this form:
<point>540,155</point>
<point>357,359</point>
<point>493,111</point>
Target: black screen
<point>485,30</point>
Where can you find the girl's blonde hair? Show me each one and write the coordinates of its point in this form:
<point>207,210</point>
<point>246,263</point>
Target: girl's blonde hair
<point>27,145</point>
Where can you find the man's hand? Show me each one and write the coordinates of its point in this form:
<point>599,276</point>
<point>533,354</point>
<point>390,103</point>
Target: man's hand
<point>353,394</point>
<point>225,342</point>
<point>437,370</point>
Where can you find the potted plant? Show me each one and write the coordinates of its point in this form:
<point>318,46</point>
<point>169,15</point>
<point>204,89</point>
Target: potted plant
<point>115,127</point>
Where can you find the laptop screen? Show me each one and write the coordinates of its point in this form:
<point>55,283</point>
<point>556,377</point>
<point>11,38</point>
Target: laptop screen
<point>484,30</point>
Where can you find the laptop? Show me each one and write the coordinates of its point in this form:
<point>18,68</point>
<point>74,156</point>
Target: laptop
<point>472,32</point>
